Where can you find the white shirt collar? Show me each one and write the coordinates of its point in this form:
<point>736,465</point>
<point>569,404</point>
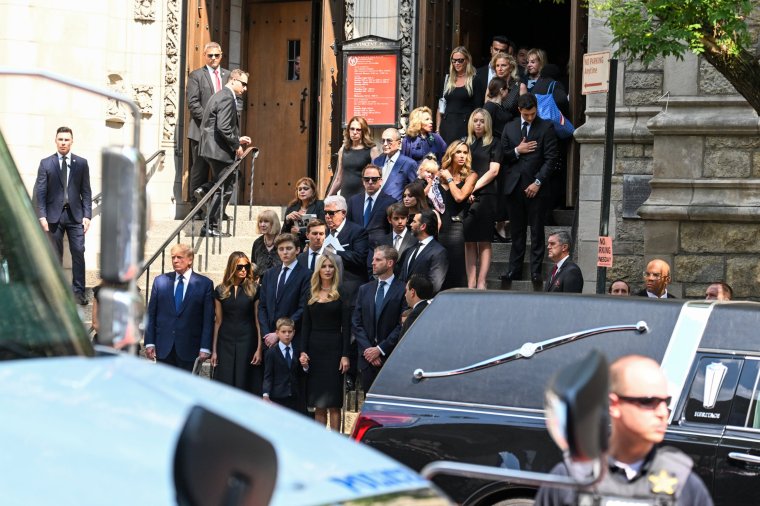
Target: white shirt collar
<point>654,296</point>
<point>562,262</point>
<point>427,240</point>
<point>340,227</point>
<point>395,156</point>
<point>186,275</point>
<point>282,348</point>
<point>289,266</point>
<point>387,281</point>
<point>402,234</point>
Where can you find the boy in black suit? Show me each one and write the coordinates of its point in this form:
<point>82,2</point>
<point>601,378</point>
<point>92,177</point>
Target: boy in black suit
<point>282,369</point>
<point>400,237</point>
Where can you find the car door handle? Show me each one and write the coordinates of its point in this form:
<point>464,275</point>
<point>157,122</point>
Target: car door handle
<point>744,457</point>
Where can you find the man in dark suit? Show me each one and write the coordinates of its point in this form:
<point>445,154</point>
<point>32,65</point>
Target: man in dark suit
<point>397,170</point>
<point>284,290</point>
<point>484,74</point>
<point>221,142</point>
<point>530,155</point>
<point>419,290</point>
<point>316,231</point>
<point>353,240</point>
<point>202,83</point>
<point>367,209</point>
<point>566,276</point>
<point>180,314</point>
<point>376,319</point>
<point>64,204</point>
<point>656,280</point>
<point>400,237</point>
<point>427,258</point>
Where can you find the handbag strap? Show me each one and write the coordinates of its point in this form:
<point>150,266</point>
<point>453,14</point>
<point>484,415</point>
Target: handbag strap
<point>551,88</point>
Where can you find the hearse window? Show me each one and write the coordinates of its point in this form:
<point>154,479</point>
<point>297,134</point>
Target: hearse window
<point>746,409</point>
<point>712,390</point>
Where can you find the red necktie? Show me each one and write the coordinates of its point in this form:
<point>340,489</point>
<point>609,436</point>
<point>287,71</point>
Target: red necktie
<point>554,271</point>
<point>218,81</point>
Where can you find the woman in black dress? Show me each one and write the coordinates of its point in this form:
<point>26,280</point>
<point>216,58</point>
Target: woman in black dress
<point>414,199</point>
<point>358,151</point>
<point>306,202</point>
<point>456,180</point>
<point>263,252</point>
<point>461,95</point>
<point>478,225</point>
<point>326,332</point>
<point>236,335</point>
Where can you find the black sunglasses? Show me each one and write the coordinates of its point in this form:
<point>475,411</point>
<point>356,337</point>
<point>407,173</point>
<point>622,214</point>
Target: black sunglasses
<point>217,55</point>
<point>371,179</point>
<point>240,267</point>
<point>330,213</point>
<point>457,60</point>
<point>646,402</point>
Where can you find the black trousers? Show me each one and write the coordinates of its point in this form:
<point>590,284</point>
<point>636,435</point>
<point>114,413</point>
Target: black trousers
<point>217,168</point>
<point>198,169</point>
<point>173,359</point>
<point>522,213</point>
<point>75,232</point>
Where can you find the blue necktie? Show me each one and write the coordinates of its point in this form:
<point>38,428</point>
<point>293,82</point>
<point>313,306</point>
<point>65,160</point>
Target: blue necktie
<point>288,358</point>
<point>179,292</point>
<point>281,282</point>
<point>379,296</point>
<point>367,211</point>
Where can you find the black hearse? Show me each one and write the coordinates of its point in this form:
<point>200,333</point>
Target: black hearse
<point>439,396</point>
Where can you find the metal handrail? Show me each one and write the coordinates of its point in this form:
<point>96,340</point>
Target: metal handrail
<point>161,251</point>
<point>162,152</point>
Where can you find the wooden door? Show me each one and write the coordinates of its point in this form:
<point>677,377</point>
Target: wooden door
<point>277,117</point>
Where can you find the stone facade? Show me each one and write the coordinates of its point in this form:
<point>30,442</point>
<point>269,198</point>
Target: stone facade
<point>683,124</point>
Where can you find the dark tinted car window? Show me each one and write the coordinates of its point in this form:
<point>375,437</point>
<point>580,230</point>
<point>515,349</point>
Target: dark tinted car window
<point>745,411</point>
<point>712,390</point>
<point>465,327</point>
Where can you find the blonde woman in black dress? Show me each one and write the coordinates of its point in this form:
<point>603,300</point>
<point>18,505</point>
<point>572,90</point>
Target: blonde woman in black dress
<point>236,345</point>
<point>325,337</point>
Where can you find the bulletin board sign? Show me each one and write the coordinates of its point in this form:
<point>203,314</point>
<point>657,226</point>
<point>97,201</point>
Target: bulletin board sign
<point>371,69</point>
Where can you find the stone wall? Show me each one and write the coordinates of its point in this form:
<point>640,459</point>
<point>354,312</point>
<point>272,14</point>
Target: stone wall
<point>682,126</point>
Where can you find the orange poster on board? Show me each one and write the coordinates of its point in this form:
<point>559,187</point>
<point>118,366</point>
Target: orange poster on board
<point>604,256</point>
<point>371,88</point>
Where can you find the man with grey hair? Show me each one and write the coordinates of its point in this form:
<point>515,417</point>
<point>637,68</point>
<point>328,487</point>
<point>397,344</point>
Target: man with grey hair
<point>202,83</point>
<point>397,170</point>
<point>565,276</point>
<point>354,242</point>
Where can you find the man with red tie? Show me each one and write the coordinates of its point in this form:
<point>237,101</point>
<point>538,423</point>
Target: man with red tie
<point>202,83</point>
<point>565,276</point>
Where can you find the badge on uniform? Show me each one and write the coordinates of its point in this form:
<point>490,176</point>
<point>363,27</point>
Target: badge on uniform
<point>663,483</point>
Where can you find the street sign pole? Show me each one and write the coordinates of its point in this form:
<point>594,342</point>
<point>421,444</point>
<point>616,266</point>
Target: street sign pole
<point>609,146</point>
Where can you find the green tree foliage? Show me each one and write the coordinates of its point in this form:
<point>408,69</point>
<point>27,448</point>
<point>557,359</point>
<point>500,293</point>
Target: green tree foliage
<point>716,29</point>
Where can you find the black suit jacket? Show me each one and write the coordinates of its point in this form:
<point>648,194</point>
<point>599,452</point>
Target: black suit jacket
<point>413,316</point>
<point>280,381</point>
<point>569,279</point>
<point>383,331</point>
<point>220,130</point>
<point>643,293</point>
<point>481,75</point>
<point>407,242</point>
<point>378,224</point>
<point>433,262</point>
<point>522,171</point>
<point>289,303</point>
<point>200,88</point>
<point>49,189</point>
<point>354,240</point>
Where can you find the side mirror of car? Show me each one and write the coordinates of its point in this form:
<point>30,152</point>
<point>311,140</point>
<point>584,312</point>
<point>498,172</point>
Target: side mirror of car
<point>123,214</point>
<point>577,408</point>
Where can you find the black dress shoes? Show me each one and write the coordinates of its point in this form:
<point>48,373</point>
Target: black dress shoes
<point>210,232</point>
<point>536,279</point>
<point>511,276</point>
<point>199,193</point>
<point>81,299</point>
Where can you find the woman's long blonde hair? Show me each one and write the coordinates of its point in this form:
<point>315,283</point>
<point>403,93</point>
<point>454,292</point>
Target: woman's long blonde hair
<point>448,159</point>
<point>469,71</point>
<point>316,281</point>
<point>248,284</point>
<point>487,130</point>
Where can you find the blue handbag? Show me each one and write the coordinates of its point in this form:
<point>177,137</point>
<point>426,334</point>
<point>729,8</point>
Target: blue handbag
<point>548,110</point>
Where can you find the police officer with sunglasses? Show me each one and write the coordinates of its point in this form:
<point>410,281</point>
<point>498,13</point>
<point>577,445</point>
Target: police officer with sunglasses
<point>639,472</point>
